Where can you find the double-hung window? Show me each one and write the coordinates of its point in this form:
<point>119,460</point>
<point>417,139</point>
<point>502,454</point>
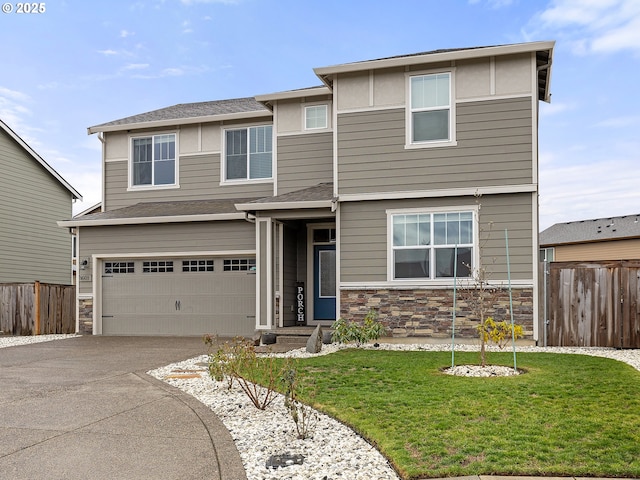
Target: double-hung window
<point>432,246</point>
<point>248,153</point>
<point>430,108</point>
<point>153,160</point>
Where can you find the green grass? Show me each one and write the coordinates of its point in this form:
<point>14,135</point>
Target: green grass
<point>569,415</point>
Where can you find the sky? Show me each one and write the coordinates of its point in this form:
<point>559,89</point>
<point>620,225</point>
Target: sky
<point>76,64</point>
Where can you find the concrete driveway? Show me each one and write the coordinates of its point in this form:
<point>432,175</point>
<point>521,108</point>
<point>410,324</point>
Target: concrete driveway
<point>83,408</point>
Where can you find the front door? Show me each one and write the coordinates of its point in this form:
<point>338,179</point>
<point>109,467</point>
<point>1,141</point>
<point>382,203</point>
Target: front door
<point>324,282</point>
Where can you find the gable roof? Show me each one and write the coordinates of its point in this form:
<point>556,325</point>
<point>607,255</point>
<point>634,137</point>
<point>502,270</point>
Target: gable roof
<point>318,196</point>
<point>594,230</point>
<point>544,54</point>
<point>40,160</point>
<point>163,212</point>
<point>188,113</point>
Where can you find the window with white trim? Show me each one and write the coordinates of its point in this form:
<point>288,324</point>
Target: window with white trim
<point>315,117</point>
<point>153,160</point>
<point>432,246</point>
<point>239,265</point>
<point>157,266</point>
<point>119,267</point>
<point>197,265</point>
<point>430,105</point>
<point>248,153</point>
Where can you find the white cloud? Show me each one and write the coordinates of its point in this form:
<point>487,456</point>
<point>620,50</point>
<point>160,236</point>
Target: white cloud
<point>585,191</point>
<point>136,66</point>
<point>601,26</point>
<point>14,95</point>
<point>620,122</point>
<point>224,2</point>
<point>126,33</point>
<point>108,52</point>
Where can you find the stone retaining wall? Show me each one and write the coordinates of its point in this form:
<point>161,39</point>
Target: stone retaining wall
<point>85,316</point>
<point>428,313</point>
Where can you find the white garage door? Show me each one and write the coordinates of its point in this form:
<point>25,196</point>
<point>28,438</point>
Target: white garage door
<point>190,296</point>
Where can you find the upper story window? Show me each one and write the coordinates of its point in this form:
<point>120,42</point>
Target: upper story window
<point>315,117</point>
<point>429,245</point>
<point>153,160</point>
<point>430,118</point>
<point>248,153</point>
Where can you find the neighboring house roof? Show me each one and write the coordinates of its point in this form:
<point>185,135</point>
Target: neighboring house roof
<point>92,209</point>
<point>318,196</point>
<point>543,53</point>
<point>163,212</point>
<point>268,99</point>
<point>40,160</point>
<point>595,230</point>
<point>188,113</point>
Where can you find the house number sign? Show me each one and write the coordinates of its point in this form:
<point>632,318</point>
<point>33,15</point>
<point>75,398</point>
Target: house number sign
<point>300,303</point>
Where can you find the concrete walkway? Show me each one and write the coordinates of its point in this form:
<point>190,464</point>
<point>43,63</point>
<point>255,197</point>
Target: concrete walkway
<point>84,408</point>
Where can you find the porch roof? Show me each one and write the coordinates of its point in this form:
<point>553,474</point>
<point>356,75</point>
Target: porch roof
<point>318,196</point>
<point>163,212</point>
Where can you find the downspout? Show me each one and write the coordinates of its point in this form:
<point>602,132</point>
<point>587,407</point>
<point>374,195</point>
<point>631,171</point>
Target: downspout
<point>104,162</point>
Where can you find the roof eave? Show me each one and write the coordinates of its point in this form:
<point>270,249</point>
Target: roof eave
<point>293,94</point>
<point>179,121</point>
<point>76,195</point>
<point>326,73</point>
<point>209,217</point>
<point>252,207</point>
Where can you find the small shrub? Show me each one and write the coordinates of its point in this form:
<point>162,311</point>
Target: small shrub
<point>304,416</point>
<point>257,377</point>
<point>499,333</point>
<point>360,333</point>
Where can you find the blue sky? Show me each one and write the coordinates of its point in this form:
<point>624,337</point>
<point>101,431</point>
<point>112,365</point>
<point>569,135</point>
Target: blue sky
<point>79,64</point>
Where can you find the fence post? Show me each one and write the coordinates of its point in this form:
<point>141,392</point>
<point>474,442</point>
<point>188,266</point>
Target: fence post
<point>36,328</point>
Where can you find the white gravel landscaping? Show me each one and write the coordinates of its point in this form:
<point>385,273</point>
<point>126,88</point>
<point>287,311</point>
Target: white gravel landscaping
<point>335,451</point>
<point>11,341</point>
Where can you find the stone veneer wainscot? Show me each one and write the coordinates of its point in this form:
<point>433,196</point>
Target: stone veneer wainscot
<point>428,313</point>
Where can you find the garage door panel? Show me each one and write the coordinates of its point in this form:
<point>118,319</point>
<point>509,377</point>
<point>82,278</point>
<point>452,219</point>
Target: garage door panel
<point>179,303</point>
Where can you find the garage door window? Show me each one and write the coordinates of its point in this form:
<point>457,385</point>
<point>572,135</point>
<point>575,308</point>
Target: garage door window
<point>118,267</point>
<point>157,266</point>
<point>239,265</point>
<point>197,265</point>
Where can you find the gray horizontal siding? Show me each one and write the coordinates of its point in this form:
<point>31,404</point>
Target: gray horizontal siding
<point>363,235</point>
<point>494,147</point>
<point>304,161</point>
<point>199,178</point>
<point>32,246</point>
<point>165,238</point>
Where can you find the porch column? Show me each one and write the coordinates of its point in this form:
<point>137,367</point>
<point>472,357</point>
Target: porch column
<point>264,278</point>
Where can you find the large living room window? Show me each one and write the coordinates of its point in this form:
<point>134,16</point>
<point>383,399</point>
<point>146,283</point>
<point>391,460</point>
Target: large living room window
<point>424,245</point>
<point>248,153</point>
<point>153,160</point>
<point>430,113</point>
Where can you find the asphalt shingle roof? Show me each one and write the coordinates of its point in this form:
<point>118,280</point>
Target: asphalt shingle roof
<point>169,209</point>
<point>192,110</point>
<point>320,192</point>
<point>595,230</point>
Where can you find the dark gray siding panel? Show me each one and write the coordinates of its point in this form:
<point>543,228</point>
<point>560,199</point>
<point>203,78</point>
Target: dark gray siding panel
<point>32,246</point>
<point>494,148</point>
<point>165,238</point>
<point>199,178</point>
<point>304,161</point>
<point>363,235</point>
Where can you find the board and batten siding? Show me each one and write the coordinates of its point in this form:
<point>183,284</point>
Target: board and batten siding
<point>32,246</point>
<point>198,177</point>
<point>304,161</point>
<point>363,235</point>
<point>165,239</point>
<point>494,147</point>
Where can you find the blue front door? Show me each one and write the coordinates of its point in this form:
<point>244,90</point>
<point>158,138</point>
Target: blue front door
<point>324,282</point>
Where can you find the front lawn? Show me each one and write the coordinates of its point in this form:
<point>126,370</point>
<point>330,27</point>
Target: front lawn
<point>569,415</point>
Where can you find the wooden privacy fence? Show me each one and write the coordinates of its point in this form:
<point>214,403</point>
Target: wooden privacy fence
<point>37,308</point>
<point>593,304</point>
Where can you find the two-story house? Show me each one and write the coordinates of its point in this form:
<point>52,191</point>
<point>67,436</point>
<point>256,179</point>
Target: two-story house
<point>383,188</point>
<point>33,197</point>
